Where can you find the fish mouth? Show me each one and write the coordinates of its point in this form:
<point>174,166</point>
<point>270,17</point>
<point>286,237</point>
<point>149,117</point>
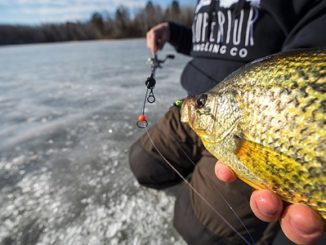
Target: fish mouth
<point>187,111</point>
<point>188,116</point>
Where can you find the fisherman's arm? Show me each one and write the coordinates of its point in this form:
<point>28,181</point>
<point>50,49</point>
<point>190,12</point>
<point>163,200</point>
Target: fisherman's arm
<point>177,35</point>
<point>180,38</point>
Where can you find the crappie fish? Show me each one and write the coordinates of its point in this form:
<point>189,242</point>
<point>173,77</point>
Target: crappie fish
<point>267,122</point>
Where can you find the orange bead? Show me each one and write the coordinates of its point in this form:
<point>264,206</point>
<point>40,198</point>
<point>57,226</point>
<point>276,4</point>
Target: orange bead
<point>142,118</point>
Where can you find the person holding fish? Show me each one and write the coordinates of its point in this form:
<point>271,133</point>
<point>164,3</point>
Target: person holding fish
<point>238,116</point>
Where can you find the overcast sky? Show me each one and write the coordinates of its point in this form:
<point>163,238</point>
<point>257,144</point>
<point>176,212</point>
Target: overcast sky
<point>43,11</point>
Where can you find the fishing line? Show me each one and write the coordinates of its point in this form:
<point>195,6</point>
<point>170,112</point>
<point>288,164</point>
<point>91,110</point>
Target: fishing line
<point>143,123</point>
<point>197,192</point>
<point>150,83</point>
<point>221,195</point>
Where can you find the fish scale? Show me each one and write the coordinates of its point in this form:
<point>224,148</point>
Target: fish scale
<point>267,122</point>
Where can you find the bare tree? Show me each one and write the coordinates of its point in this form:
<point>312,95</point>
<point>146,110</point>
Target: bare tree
<point>121,25</point>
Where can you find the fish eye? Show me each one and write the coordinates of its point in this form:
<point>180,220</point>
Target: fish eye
<point>201,101</point>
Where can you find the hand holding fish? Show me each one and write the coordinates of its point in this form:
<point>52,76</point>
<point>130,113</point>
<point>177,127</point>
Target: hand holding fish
<point>300,223</point>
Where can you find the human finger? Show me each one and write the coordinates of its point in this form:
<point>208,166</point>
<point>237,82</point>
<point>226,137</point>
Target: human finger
<point>150,40</point>
<point>158,36</point>
<point>266,205</point>
<point>301,224</point>
<point>224,173</point>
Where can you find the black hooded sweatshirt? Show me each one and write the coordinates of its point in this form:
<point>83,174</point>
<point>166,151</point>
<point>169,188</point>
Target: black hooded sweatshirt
<point>227,34</point>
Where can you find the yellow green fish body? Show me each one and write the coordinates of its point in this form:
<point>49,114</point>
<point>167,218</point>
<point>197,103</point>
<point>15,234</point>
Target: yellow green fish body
<point>267,122</point>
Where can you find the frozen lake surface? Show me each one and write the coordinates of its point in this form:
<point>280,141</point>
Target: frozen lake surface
<point>68,114</point>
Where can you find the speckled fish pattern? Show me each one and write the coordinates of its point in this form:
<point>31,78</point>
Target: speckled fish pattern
<point>267,122</point>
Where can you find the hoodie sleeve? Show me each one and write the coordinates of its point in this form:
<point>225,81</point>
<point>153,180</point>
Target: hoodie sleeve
<point>309,30</point>
<point>180,38</point>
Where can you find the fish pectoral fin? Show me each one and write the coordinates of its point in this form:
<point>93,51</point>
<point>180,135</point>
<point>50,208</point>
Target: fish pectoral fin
<point>265,164</point>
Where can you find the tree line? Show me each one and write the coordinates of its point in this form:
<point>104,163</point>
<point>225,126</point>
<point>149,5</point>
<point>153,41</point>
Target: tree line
<point>119,25</point>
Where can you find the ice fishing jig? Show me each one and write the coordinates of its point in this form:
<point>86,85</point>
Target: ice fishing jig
<point>150,83</point>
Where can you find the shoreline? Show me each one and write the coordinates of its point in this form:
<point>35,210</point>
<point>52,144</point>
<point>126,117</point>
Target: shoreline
<point>72,41</point>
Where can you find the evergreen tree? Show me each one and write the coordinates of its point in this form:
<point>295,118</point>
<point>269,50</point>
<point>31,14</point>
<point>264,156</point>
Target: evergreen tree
<point>122,22</point>
<point>173,12</point>
<point>97,23</point>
